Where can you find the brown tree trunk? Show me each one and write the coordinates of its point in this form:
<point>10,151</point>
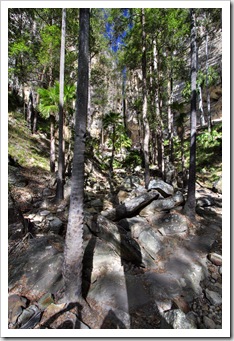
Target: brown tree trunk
<point>73,251</point>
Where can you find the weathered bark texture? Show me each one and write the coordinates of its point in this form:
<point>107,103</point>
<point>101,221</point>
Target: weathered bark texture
<point>144,109</point>
<point>190,204</point>
<point>207,85</point>
<point>160,145</point>
<point>60,177</point>
<point>73,252</point>
<point>52,143</point>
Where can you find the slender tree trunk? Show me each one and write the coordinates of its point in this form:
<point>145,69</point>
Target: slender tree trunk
<point>52,143</point>
<point>202,117</point>
<point>170,120</point>
<point>160,145</point>
<point>144,110</point>
<point>124,97</point>
<point>60,176</point>
<point>207,86</point>
<point>73,251</point>
<point>180,132</point>
<point>89,118</point>
<point>190,205</point>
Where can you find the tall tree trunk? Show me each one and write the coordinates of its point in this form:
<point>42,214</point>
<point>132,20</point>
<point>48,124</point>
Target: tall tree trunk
<point>207,86</point>
<point>190,205</point>
<point>202,117</point>
<point>52,143</point>
<point>160,145</point>
<point>170,119</point>
<point>73,251</point>
<point>146,129</point>
<point>60,176</point>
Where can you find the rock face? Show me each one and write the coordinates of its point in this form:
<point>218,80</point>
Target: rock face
<point>16,222</point>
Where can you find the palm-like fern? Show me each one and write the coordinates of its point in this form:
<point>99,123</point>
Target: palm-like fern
<point>49,99</point>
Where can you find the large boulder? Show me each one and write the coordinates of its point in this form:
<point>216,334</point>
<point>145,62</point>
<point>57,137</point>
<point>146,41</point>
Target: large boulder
<point>134,225</point>
<point>162,187</point>
<point>117,237</point>
<point>171,224</point>
<point>38,270</point>
<point>106,291</point>
<point>150,240</point>
<point>162,205</point>
<point>130,207</point>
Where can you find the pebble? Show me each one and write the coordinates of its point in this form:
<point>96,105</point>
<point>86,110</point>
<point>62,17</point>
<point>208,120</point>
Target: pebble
<point>208,323</point>
<point>215,276</point>
<point>213,297</point>
<point>44,213</point>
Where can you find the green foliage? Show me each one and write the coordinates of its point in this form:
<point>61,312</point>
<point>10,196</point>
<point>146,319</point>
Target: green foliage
<point>186,92</point>
<point>132,159</point>
<point>117,133</point>
<point>50,44</point>
<point>209,140</point>
<point>212,77</point>
<point>49,99</point>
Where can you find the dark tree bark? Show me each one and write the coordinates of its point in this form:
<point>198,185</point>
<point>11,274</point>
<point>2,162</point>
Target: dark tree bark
<point>73,252</point>
<point>170,120</point>
<point>160,146</point>
<point>52,143</point>
<point>190,205</point>
<point>146,130</point>
<point>207,85</point>
<point>60,177</point>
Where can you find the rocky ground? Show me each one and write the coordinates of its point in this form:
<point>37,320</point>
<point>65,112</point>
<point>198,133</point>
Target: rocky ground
<point>145,265</point>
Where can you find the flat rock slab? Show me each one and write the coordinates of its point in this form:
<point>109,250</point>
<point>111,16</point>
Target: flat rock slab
<point>172,224</point>
<point>39,269</point>
<point>123,244</point>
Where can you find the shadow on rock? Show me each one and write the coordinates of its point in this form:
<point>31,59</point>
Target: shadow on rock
<point>111,321</point>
